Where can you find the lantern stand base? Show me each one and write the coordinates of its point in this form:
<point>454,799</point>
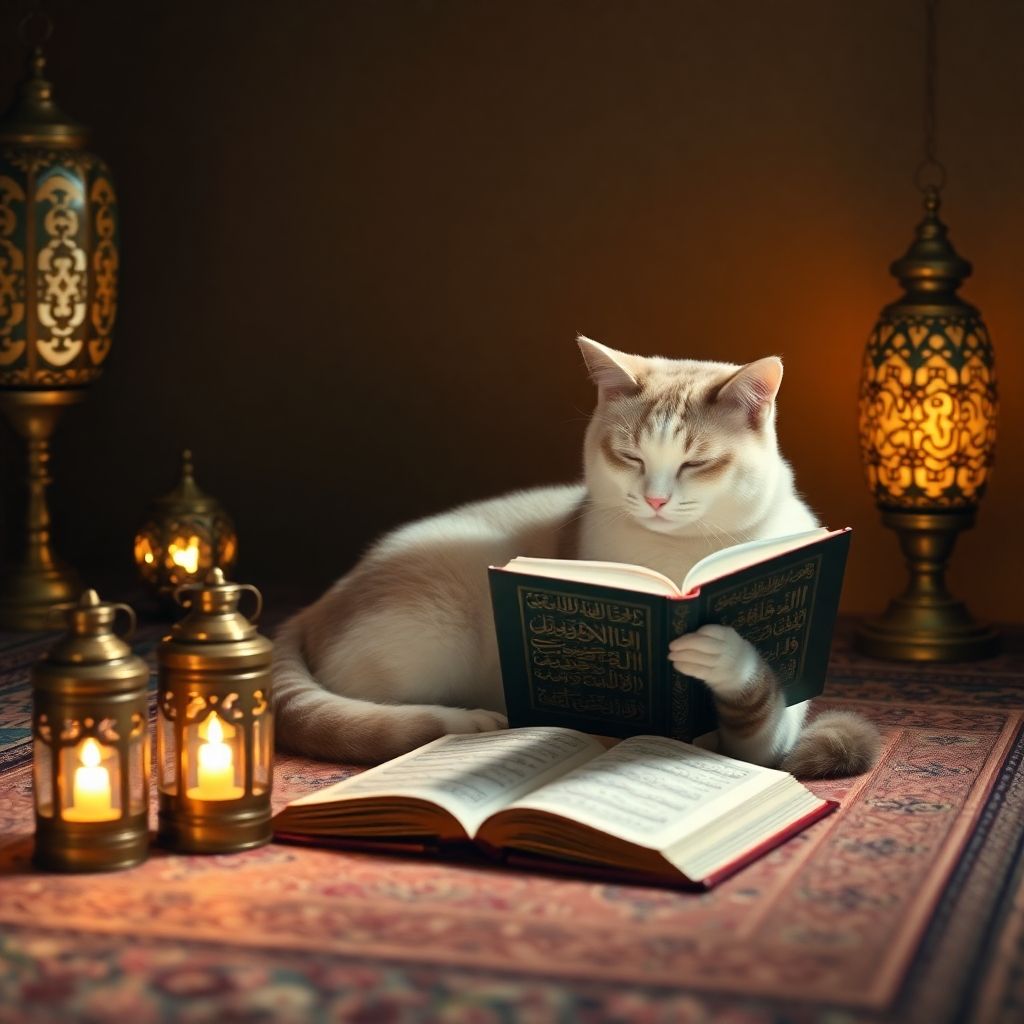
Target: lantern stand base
<point>31,590</point>
<point>926,623</point>
<point>214,831</point>
<point>88,848</point>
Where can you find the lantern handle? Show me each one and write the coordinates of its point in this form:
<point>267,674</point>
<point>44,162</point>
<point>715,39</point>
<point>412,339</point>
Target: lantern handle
<point>259,600</point>
<point>186,587</point>
<point>133,621</point>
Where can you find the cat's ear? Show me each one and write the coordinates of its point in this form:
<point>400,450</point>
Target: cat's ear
<point>753,388</point>
<point>614,373</point>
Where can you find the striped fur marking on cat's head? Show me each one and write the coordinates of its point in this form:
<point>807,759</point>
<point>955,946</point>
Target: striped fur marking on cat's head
<point>676,443</point>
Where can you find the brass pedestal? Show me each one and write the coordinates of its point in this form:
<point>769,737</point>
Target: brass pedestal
<point>30,590</point>
<point>926,623</point>
<point>107,847</point>
<point>214,831</point>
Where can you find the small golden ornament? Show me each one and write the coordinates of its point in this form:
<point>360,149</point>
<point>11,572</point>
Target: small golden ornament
<point>214,723</point>
<point>185,534</point>
<point>90,728</point>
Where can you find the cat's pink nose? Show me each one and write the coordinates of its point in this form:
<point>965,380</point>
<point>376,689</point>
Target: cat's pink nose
<point>655,503</point>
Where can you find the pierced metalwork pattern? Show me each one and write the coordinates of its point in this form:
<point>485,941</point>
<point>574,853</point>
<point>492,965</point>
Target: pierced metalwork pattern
<point>928,405</point>
<point>105,265</point>
<point>58,267</point>
<point>181,549</point>
<point>12,271</point>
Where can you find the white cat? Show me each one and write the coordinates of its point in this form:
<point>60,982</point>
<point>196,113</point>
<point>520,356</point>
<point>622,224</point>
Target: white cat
<point>680,459</point>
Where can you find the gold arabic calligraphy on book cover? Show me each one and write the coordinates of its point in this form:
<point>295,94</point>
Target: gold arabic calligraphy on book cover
<point>596,657</point>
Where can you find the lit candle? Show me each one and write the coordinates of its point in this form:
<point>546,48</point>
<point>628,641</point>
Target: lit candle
<point>91,794</point>
<point>185,553</point>
<point>215,767</point>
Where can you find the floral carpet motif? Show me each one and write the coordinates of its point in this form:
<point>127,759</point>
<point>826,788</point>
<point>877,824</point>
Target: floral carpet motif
<point>905,905</point>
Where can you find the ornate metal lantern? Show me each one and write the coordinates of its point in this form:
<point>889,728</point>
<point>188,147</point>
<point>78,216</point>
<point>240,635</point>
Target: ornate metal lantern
<point>185,534</point>
<point>58,298</point>
<point>928,406</point>
<point>928,390</point>
<point>214,723</point>
<point>90,728</point>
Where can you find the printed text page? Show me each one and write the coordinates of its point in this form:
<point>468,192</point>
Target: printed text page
<point>471,776</point>
<point>649,790</point>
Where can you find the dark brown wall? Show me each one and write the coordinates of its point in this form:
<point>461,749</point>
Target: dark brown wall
<point>359,237</point>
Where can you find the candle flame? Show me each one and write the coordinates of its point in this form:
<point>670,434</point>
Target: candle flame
<point>185,553</point>
<point>214,732</point>
<point>90,755</point>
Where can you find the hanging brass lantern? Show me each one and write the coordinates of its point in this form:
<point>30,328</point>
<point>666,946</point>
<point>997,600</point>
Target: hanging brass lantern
<point>214,723</point>
<point>928,406</point>
<point>90,728</point>
<point>58,298</point>
<point>185,534</point>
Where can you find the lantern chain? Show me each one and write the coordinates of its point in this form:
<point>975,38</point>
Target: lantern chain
<point>930,176</point>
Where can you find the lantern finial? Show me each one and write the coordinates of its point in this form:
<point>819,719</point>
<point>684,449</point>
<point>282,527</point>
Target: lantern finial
<point>187,489</point>
<point>931,267</point>
<point>33,118</point>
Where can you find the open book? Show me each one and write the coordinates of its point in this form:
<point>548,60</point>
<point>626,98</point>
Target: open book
<point>648,809</point>
<point>648,581</point>
<point>585,644</point>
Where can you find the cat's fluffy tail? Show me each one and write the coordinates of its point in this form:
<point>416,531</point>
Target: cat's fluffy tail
<point>317,722</point>
<point>836,743</point>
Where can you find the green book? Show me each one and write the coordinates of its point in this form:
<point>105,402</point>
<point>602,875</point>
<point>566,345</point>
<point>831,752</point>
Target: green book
<point>585,644</point>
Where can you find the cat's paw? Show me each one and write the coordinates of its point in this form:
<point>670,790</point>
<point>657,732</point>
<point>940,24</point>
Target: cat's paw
<point>462,720</point>
<point>718,655</point>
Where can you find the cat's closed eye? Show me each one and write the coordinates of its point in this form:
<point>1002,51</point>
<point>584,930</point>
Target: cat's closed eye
<point>691,465</point>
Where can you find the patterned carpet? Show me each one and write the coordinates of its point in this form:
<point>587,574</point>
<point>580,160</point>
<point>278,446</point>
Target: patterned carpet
<point>907,905</point>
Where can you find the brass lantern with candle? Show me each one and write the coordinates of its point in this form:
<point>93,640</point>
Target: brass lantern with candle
<point>90,729</point>
<point>214,723</point>
<point>185,534</point>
